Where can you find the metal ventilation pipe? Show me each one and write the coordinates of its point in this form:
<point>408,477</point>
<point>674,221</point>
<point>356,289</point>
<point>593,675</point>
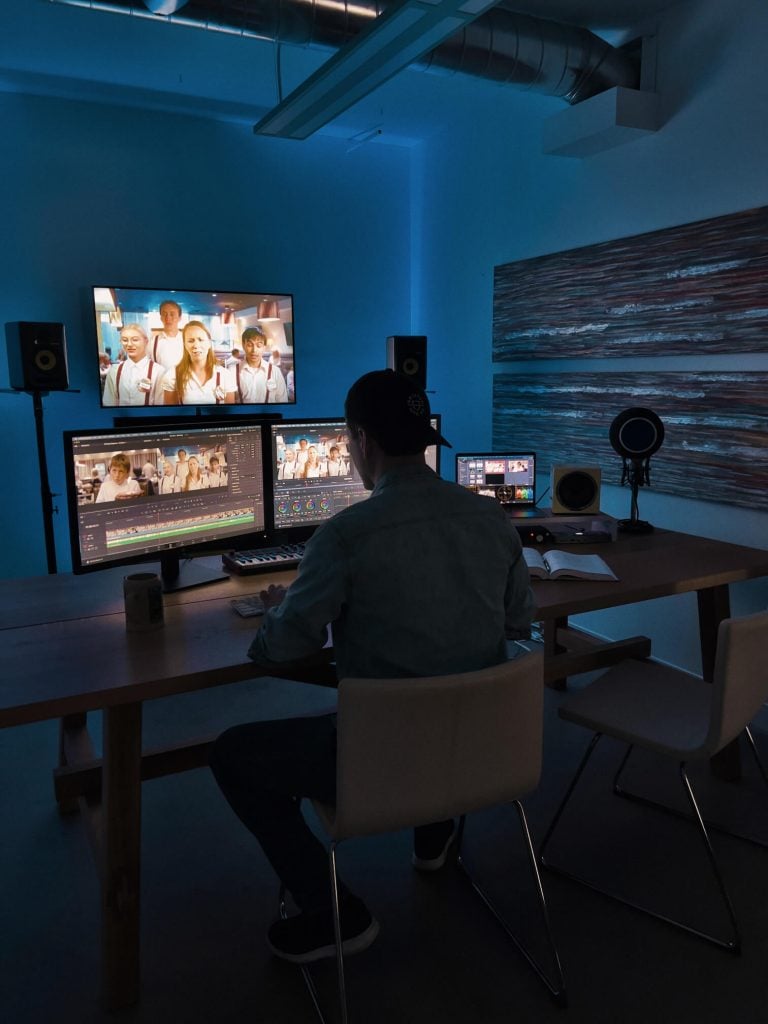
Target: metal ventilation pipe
<point>500,45</point>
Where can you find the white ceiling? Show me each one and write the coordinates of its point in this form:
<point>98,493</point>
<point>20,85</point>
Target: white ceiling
<point>51,49</point>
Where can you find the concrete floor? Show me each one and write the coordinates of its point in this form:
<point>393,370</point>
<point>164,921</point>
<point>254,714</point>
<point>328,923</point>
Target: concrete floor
<point>208,897</point>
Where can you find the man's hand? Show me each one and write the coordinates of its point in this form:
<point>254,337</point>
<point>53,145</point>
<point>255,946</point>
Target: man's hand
<point>273,596</point>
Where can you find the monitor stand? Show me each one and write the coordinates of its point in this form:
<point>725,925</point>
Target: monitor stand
<point>181,577</point>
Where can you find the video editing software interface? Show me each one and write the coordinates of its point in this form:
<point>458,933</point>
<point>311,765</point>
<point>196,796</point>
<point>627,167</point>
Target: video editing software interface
<point>313,477</point>
<point>515,474</point>
<point>147,491</point>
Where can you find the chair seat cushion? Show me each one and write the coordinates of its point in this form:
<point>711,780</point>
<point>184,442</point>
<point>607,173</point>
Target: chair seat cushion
<point>648,704</point>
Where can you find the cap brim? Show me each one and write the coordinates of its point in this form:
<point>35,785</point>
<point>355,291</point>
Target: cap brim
<point>438,439</point>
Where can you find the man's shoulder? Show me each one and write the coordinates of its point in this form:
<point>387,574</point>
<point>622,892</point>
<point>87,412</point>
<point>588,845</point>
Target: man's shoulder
<point>430,493</point>
<point>463,498</point>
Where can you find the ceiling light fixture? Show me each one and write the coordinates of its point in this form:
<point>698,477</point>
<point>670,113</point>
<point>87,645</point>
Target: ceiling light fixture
<point>268,310</point>
<point>398,37</point>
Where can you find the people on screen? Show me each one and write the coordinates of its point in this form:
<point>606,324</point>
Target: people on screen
<point>182,467</point>
<point>168,482</point>
<point>288,468</point>
<point>335,465</point>
<point>120,483</point>
<point>137,379</point>
<point>425,579</point>
<point>257,380</point>
<point>168,345</point>
<point>312,469</point>
<point>196,479</point>
<point>301,454</point>
<point>217,476</point>
<point>198,380</point>
<point>312,461</point>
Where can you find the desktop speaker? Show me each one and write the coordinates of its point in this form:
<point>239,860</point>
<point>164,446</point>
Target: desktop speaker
<point>407,353</point>
<point>575,489</point>
<point>37,356</point>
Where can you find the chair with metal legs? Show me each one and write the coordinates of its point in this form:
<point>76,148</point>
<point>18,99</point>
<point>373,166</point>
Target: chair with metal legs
<point>412,751</point>
<point>680,716</point>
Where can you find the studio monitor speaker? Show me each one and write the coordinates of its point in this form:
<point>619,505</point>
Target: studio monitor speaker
<point>37,356</point>
<point>407,353</point>
<point>576,489</point>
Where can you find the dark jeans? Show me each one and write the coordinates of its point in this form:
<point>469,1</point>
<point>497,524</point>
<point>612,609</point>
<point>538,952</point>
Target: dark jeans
<point>264,769</point>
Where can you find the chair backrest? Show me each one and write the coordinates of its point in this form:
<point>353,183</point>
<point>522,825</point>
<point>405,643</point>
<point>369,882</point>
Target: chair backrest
<point>413,751</point>
<point>740,683</point>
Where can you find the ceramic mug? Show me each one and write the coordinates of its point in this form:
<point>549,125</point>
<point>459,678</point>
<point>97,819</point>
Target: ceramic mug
<point>143,593</point>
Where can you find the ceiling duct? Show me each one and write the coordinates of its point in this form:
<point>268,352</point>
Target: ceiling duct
<point>501,45</point>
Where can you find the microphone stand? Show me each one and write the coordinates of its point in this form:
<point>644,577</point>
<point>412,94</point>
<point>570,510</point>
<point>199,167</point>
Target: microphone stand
<point>636,473</point>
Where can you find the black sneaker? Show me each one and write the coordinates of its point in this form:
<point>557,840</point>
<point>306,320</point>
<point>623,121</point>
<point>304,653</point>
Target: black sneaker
<point>309,935</point>
<point>431,845</point>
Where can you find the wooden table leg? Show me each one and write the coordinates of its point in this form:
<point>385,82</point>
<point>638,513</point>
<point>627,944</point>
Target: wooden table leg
<point>73,735</point>
<point>714,606</point>
<point>121,801</point>
<point>552,647</point>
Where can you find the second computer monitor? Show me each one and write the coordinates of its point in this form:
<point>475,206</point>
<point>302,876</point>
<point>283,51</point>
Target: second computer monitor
<point>313,476</point>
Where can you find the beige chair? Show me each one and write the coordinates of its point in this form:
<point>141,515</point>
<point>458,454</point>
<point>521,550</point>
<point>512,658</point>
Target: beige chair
<point>412,751</point>
<point>680,716</point>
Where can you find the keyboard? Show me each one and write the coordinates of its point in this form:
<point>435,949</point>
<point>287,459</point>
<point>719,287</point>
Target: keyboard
<point>244,563</point>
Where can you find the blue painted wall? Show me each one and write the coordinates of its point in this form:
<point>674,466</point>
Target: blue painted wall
<point>98,194</point>
<point>489,196</point>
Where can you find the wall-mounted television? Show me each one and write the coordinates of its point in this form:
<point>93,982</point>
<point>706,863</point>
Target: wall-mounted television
<point>169,347</point>
<point>163,494</point>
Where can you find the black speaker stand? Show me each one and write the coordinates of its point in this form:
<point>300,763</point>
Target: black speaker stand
<point>45,488</point>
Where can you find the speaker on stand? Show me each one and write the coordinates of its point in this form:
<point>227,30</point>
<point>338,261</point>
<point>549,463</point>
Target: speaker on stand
<point>407,354</point>
<point>37,364</point>
<point>37,356</point>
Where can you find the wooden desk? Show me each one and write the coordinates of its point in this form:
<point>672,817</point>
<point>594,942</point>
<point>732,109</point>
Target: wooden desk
<point>65,652</point>
<point>652,565</point>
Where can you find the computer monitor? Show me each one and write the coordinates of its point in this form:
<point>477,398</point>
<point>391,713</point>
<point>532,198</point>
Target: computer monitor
<point>164,493</point>
<point>312,475</point>
<point>510,477</point>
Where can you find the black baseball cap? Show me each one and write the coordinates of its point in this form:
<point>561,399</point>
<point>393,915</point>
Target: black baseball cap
<point>394,410</point>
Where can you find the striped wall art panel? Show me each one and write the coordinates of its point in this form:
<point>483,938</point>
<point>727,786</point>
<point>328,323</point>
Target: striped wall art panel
<point>716,423</point>
<point>688,290</point>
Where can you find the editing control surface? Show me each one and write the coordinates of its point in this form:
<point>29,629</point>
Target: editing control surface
<point>286,556</point>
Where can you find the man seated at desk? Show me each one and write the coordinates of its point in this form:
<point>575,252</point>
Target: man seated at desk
<point>425,578</point>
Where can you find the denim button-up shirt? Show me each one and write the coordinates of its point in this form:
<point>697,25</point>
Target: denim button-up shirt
<point>423,578</point>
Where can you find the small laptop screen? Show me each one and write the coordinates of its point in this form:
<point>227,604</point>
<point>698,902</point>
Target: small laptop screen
<point>509,477</point>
